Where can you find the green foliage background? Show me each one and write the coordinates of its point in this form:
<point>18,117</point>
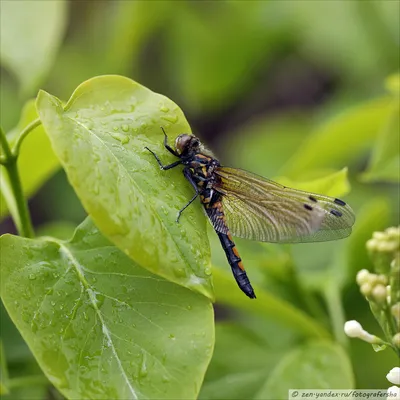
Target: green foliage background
<point>304,92</point>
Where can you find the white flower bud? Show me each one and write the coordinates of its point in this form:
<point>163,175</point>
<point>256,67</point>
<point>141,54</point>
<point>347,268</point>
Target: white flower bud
<point>378,235</point>
<point>362,276</point>
<point>395,310</point>
<point>371,244</point>
<point>366,289</point>
<point>394,393</point>
<point>396,340</point>
<point>386,247</point>
<point>382,279</point>
<point>379,293</point>
<point>353,329</point>
<point>394,376</point>
<point>393,232</point>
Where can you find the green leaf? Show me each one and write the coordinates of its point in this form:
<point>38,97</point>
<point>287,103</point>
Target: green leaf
<point>3,371</point>
<point>262,145</point>
<point>194,37</point>
<point>384,164</point>
<point>392,84</point>
<point>100,139</point>
<point>373,216</point>
<point>317,365</point>
<point>240,364</point>
<point>36,163</point>
<point>341,140</point>
<point>28,45</point>
<point>335,184</point>
<point>266,305</point>
<point>242,385</point>
<point>99,325</point>
<point>59,229</point>
<point>379,347</point>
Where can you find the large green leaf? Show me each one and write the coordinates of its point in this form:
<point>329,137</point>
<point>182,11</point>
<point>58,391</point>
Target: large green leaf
<point>318,365</point>
<point>240,364</point>
<point>266,306</point>
<point>36,162</point>
<point>334,185</point>
<point>99,138</point>
<point>30,33</point>
<point>341,140</point>
<point>99,325</point>
<point>385,160</point>
<point>247,35</point>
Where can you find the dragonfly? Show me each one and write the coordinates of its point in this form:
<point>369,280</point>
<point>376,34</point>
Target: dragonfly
<point>242,204</point>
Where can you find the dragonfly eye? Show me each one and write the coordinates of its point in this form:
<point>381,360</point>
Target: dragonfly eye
<point>182,143</point>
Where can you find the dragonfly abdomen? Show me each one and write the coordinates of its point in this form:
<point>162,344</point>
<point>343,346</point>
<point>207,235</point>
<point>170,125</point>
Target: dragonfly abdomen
<point>236,264</point>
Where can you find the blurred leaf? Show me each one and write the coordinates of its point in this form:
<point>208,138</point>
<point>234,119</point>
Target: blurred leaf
<point>3,371</point>
<point>266,306</point>
<point>262,145</point>
<point>31,32</point>
<point>29,392</point>
<point>340,141</point>
<point>16,350</point>
<point>373,216</point>
<point>99,138</point>
<point>235,40</point>
<point>393,84</point>
<point>384,164</point>
<point>238,349</point>
<point>367,45</point>
<point>99,325</point>
<point>36,163</point>
<point>317,365</point>
<point>334,185</point>
<point>60,229</point>
<point>240,364</point>
<point>242,385</point>
<point>131,23</point>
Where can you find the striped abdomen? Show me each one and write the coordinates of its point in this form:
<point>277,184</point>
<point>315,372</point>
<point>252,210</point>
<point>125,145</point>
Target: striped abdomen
<point>236,264</point>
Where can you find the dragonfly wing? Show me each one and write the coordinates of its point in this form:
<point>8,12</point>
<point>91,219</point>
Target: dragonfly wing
<point>259,209</point>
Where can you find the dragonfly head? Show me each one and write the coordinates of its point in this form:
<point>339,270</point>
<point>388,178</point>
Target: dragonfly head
<point>186,144</point>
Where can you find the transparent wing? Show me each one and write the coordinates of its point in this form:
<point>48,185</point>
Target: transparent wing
<point>259,209</point>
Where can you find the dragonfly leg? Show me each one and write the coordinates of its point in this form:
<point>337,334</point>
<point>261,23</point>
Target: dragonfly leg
<point>187,205</point>
<point>164,167</point>
<point>167,146</point>
<point>188,175</point>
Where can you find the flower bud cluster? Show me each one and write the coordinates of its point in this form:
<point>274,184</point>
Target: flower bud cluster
<point>373,286</point>
<point>385,242</point>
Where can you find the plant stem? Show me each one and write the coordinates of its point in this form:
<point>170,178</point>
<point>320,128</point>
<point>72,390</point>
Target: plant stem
<point>21,216</point>
<point>334,303</point>
<point>34,124</point>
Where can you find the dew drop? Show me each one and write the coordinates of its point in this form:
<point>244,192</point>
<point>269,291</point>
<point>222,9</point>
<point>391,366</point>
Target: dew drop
<point>164,109</point>
<point>170,118</point>
<point>125,128</point>
<point>32,277</point>
<point>120,137</point>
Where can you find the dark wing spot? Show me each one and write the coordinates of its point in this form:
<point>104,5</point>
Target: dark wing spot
<point>336,213</point>
<point>307,207</point>
<point>312,198</point>
<point>340,202</point>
